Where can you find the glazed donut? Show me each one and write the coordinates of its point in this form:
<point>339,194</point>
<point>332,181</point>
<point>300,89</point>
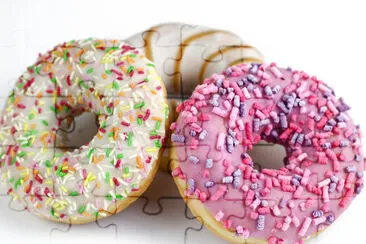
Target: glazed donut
<point>185,54</point>
<point>228,115</point>
<point>105,77</point>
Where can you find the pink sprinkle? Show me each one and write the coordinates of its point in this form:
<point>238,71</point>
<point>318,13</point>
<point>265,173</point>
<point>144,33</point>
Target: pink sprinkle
<point>305,226</point>
<point>272,240</point>
<point>276,211</point>
<point>286,223</point>
<point>246,93</point>
<point>324,183</point>
<point>227,105</point>
<point>332,108</point>
<point>219,193</point>
<point>254,215</point>
<point>276,72</point>
<point>219,215</point>
<point>325,194</point>
<point>233,115</point>
<point>295,221</point>
<point>319,220</point>
<point>298,192</point>
<point>257,92</point>
<point>220,141</point>
<point>240,124</point>
<point>255,203</point>
<point>249,197</point>
<point>220,112</point>
<point>349,180</point>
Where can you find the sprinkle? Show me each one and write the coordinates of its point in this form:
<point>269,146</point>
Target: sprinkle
<point>194,159</point>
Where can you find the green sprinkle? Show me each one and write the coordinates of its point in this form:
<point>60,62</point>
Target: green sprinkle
<point>60,173</point>
<point>139,105</point>
<point>119,197</point>
<point>38,70</point>
<point>115,85</point>
<point>20,86</point>
<point>74,194</point>
<point>53,109</point>
<point>65,55</point>
<point>17,183</point>
<point>82,61</point>
<point>153,133</point>
<point>158,144</point>
<point>133,55</point>
<point>130,69</point>
<point>58,155</point>
<point>107,177</point>
<point>90,70</point>
<point>21,154</point>
<point>108,72</point>
<point>11,180</point>
<point>91,151</point>
<point>126,170</point>
<point>109,197</point>
<point>147,79</point>
<point>129,140</point>
<point>157,125</point>
<point>104,124</point>
<point>82,209</point>
<point>53,80</point>
<point>109,111</point>
<point>48,163</point>
<point>139,121</point>
<point>52,212</point>
<point>110,48</point>
<point>31,116</point>
<point>13,161</point>
<point>81,83</point>
<point>110,134</point>
<point>120,156</point>
<point>108,152</point>
<point>45,122</point>
<point>151,64</point>
<point>66,108</point>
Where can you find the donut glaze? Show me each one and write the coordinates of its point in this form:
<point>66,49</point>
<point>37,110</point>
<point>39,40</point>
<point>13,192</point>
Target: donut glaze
<point>105,77</point>
<point>233,111</point>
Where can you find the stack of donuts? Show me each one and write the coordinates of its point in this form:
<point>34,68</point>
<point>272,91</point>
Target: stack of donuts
<point>193,101</point>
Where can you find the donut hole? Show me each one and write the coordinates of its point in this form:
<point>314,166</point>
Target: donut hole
<point>79,130</point>
<point>268,155</point>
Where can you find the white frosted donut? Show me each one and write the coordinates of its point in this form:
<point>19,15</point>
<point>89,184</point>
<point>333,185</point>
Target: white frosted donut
<point>105,77</point>
<point>185,54</point>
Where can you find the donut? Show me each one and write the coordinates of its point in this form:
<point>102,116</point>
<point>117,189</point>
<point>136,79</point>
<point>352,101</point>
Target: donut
<point>227,116</point>
<point>185,54</point>
<point>120,86</point>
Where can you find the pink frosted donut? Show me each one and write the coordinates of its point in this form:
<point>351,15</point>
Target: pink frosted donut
<point>229,114</point>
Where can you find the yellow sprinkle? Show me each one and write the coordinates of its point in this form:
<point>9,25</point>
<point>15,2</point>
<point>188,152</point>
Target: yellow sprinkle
<point>151,149</point>
<point>153,92</point>
<point>49,182</point>
<point>49,200</point>
<point>156,118</point>
<point>122,108</point>
<point>64,189</point>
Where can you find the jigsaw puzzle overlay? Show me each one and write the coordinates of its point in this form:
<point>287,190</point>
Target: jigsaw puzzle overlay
<point>159,215</point>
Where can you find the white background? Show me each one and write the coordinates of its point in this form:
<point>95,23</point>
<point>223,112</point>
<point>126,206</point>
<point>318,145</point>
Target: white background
<point>324,38</point>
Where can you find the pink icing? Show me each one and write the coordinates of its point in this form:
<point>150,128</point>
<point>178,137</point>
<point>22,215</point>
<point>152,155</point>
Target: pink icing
<point>324,165</point>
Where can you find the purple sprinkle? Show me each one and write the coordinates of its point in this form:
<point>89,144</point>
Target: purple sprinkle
<point>191,185</point>
<point>222,91</point>
<point>227,179</point>
<point>256,122</point>
<point>209,184</point>
<point>177,138</point>
<point>264,203</point>
<point>323,109</point>
<point>252,78</point>
<point>237,173</point>
<point>317,213</point>
<point>332,187</point>
<point>202,135</point>
<point>219,82</point>
<point>283,121</point>
<point>209,163</point>
<point>358,158</point>
<point>359,189</point>
<point>282,203</point>
<point>254,69</point>
<point>236,101</point>
<point>254,186</point>
<point>268,91</point>
<point>330,218</point>
<point>194,159</point>
<point>326,145</point>
<point>334,179</point>
<point>300,139</point>
<point>332,122</point>
<point>242,109</point>
<point>359,174</point>
<point>328,128</point>
<point>237,182</point>
<point>192,133</point>
<point>276,89</point>
<point>294,137</point>
<point>283,107</point>
<point>351,169</point>
<point>343,143</point>
<point>260,222</point>
<point>295,182</point>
